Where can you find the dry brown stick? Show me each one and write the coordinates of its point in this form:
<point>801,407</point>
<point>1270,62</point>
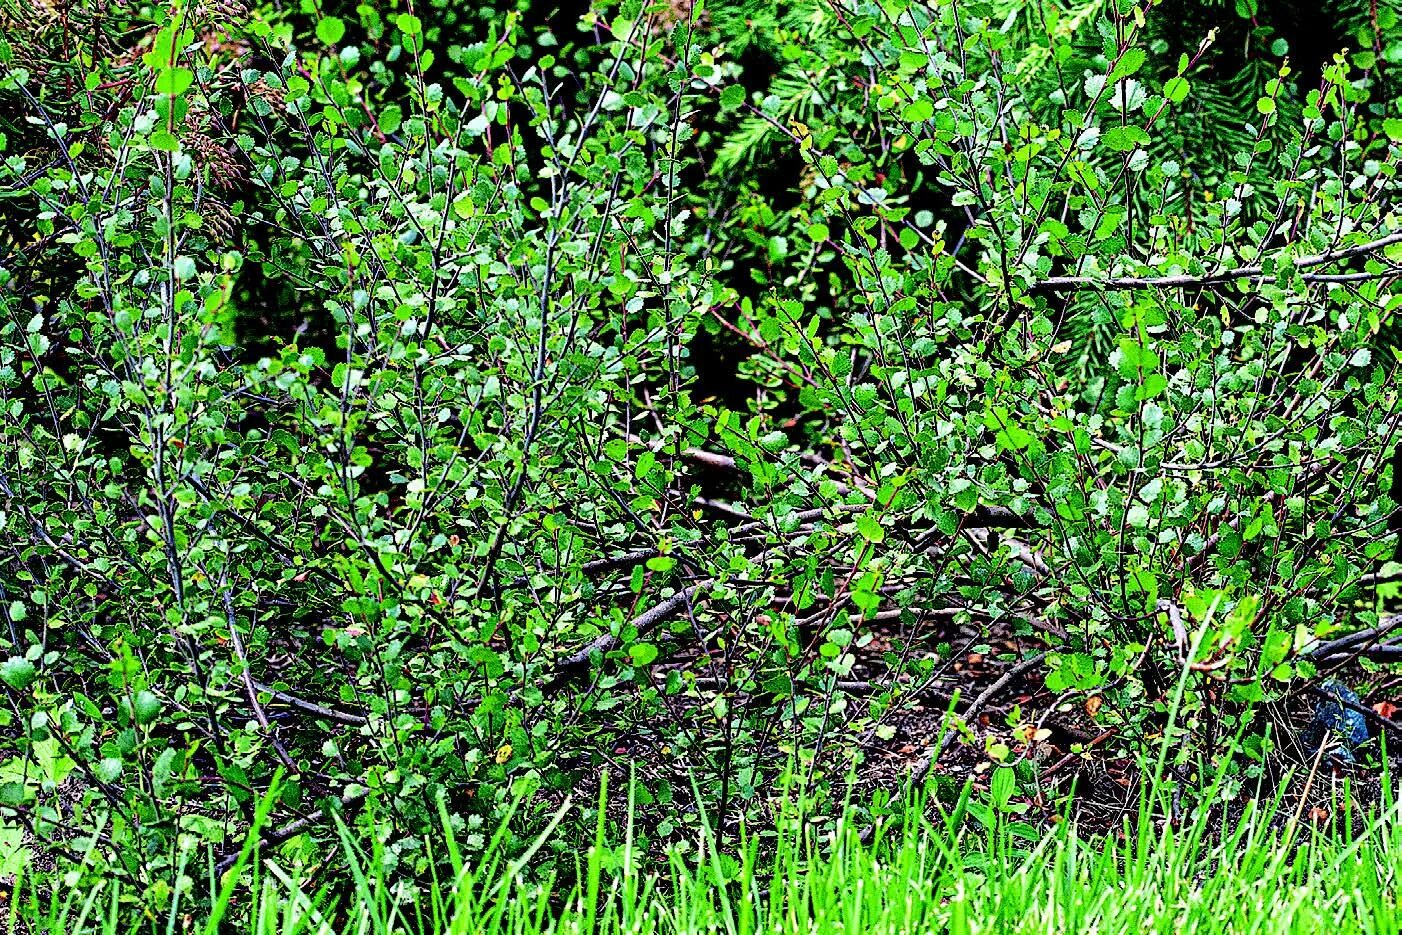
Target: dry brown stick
<point>645,621</point>
<point>234,637</point>
<point>1057,283</point>
<point>1345,644</point>
<point>290,830</point>
<point>311,707</point>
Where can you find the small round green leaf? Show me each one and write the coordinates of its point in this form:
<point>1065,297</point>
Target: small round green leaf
<point>17,672</point>
<point>174,81</point>
<point>870,528</point>
<point>918,111</point>
<point>146,706</point>
<point>331,30</point>
<point>109,769</point>
<point>1176,90</point>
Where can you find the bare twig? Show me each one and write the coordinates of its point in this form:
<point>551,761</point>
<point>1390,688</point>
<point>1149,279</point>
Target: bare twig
<point>1061,283</point>
<point>1175,620</point>
<point>311,707</point>
<point>1346,646</point>
<point>290,830</point>
<point>234,637</point>
<point>923,765</point>
<point>571,664</point>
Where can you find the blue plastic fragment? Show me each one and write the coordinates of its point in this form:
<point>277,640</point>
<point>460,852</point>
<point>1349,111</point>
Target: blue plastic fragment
<point>1334,721</point>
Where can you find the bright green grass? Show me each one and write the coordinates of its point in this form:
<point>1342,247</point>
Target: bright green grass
<point>935,873</point>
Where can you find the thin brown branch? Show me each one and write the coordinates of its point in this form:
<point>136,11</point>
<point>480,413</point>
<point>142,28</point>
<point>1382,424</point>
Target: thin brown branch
<point>290,830</point>
<point>237,639</point>
<point>923,765</point>
<point>1184,281</point>
<point>571,665</point>
<point>311,707</point>
<point>1355,643</point>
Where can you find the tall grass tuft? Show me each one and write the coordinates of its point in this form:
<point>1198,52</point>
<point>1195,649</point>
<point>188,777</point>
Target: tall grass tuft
<point>934,869</point>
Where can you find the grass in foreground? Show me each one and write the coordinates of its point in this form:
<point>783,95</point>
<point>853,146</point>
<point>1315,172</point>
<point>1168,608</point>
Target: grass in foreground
<point>936,872</point>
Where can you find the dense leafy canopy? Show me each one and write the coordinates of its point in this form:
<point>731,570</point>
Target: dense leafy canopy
<point>398,407</point>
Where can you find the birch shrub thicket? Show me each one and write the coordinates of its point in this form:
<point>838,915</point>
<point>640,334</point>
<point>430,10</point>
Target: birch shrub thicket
<point>363,452</point>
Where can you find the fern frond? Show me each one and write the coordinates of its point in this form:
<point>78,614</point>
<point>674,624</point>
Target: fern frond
<point>792,96</point>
